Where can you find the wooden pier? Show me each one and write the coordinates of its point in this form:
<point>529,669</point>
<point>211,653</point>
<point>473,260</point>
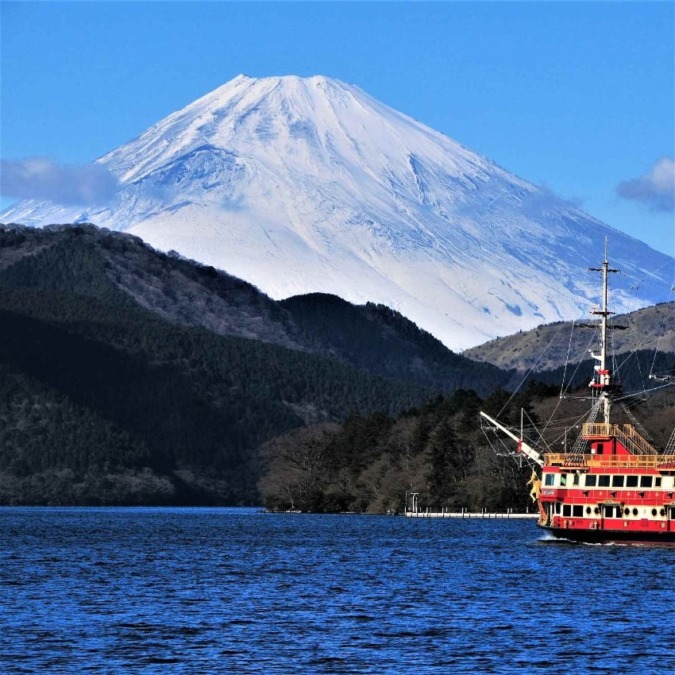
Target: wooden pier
<point>509,515</point>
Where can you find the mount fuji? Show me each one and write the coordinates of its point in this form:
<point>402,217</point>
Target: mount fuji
<point>305,185</point>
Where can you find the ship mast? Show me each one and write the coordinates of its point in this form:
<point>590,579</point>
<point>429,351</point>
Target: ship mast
<point>602,380</point>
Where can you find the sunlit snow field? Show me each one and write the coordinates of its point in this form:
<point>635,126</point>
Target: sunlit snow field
<point>302,185</point>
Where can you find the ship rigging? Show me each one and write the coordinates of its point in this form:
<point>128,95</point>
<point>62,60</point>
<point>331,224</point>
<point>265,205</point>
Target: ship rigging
<point>613,484</point>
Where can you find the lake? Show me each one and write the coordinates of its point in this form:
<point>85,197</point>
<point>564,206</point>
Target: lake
<point>238,590</point>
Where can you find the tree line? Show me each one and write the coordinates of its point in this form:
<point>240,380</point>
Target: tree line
<point>373,463</point>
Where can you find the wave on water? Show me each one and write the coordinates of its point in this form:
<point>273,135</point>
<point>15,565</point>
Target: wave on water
<point>115,590</point>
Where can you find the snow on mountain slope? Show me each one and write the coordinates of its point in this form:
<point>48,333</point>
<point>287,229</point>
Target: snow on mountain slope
<point>308,184</point>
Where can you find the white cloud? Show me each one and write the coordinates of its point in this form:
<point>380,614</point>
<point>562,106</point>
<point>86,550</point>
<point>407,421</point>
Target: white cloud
<point>656,188</point>
<point>41,178</point>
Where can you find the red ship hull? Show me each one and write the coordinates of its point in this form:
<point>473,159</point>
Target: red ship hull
<point>610,536</point>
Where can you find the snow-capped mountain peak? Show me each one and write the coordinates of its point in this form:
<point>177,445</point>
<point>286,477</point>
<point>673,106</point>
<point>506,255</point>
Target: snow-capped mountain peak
<point>309,184</point>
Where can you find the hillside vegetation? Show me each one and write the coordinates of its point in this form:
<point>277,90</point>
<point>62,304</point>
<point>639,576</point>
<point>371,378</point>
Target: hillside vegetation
<point>128,376</point>
<point>438,451</point>
<point>104,401</point>
<point>550,346</point>
<point>371,337</point>
<point>373,463</point>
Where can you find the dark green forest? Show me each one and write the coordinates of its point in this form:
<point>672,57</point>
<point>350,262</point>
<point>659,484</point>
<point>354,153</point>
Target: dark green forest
<point>377,339</point>
<point>373,463</point>
<point>102,401</point>
<point>128,376</point>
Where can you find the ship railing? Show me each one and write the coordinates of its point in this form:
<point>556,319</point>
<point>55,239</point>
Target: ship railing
<point>631,439</point>
<point>626,433</point>
<point>571,461</point>
<point>597,429</point>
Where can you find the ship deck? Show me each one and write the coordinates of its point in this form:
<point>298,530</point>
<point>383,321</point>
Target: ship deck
<point>571,461</point>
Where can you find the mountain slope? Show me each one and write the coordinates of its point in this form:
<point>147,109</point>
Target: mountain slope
<point>379,340</point>
<point>113,266</point>
<point>548,347</point>
<point>103,401</point>
<point>310,185</point>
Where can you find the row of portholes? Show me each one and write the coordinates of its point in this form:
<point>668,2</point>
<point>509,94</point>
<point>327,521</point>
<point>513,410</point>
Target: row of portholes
<point>626,512</point>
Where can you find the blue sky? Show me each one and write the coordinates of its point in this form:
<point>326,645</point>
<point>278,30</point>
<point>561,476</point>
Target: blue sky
<point>578,96</point>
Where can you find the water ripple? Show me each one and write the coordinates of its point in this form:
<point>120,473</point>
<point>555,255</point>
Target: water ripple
<point>236,590</point>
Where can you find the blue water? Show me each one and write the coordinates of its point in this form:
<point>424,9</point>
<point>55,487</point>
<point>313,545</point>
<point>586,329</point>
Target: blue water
<point>239,591</point>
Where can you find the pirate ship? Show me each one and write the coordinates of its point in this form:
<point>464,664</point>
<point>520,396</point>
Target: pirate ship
<point>614,484</point>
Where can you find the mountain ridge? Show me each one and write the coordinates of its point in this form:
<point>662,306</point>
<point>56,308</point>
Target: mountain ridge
<point>104,401</point>
<point>551,346</point>
<point>373,338</point>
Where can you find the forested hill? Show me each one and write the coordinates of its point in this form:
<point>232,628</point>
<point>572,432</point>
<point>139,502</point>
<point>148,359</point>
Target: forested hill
<point>104,401</point>
<point>371,337</point>
<point>128,376</point>
<point>379,340</point>
<point>122,379</point>
<point>551,346</point>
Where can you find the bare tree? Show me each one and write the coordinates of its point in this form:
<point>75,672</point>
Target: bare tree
<point>298,468</point>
